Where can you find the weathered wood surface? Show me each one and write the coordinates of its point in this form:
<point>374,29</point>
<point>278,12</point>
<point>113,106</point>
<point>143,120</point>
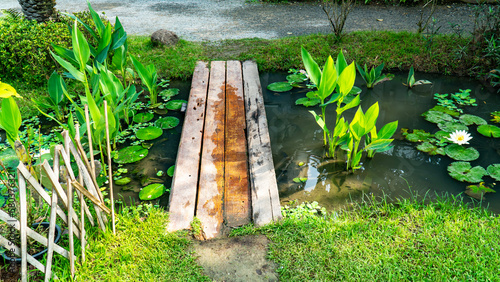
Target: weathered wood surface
<point>211,184</point>
<point>236,194</point>
<point>185,179</point>
<point>264,189</point>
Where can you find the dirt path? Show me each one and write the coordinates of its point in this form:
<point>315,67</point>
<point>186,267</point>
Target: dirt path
<point>209,20</point>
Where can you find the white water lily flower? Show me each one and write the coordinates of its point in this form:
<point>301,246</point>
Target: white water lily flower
<point>460,137</point>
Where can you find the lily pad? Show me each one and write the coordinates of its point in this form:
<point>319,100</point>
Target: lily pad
<point>167,122</point>
<point>464,172</point>
<point>281,86</point>
<point>130,154</point>
<point>437,117</point>
<point>478,191</point>
<point>442,136</point>
<point>431,149</point>
<point>451,126</point>
<point>307,102</point>
<point>123,181</point>
<point>296,78</point>
<point>494,171</point>
<point>170,171</point>
<point>175,104</point>
<point>418,135</point>
<point>472,119</point>
<point>143,117</point>
<point>489,130</point>
<point>152,191</point>
<point>169,93</point>
<point>445,110</point>
<point>149,133</point>
<point>461,153</point>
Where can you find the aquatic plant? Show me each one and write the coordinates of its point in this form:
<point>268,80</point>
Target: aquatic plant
<point>411,82</point>
<point>374,76</point>
<point>460,137</point>
<point>149,78</point>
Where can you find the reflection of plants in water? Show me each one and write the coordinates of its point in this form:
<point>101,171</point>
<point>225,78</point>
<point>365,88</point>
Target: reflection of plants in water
<point>454,128</point>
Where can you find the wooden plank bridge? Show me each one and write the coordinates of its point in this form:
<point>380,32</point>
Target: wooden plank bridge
<point>224,171</point>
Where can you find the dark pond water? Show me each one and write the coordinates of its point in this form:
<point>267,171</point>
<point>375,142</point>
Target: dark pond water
<point>295,138</point>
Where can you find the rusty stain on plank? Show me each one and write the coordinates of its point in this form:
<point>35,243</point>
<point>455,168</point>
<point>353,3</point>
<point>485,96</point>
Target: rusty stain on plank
<point>237,193</point>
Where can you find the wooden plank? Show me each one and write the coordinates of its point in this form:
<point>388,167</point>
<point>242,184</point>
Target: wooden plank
<point>23,224</point>
<point>236,194</point>
<point>70,228</point>
<point>211,184</point>
<point>265,197</point>
<point>185,179</point>
<point>52,230</point>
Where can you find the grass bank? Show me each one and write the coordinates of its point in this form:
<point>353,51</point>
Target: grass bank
<point>374,241</point>
<point>378,241</point>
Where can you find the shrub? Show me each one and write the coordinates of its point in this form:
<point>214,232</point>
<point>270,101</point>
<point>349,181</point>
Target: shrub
<point>25,45</point>
<point>24,49</point>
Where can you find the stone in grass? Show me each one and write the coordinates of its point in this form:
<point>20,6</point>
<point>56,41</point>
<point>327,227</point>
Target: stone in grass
<point>165,37</point>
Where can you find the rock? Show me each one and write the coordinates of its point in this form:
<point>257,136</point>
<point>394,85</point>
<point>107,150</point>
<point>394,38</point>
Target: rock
<point>164,37</point>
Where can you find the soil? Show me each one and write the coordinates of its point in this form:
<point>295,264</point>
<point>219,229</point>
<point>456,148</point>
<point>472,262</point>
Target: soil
<point>236,259</point>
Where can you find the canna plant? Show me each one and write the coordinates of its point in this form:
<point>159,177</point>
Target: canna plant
<point>56,101</point>
<point>149,77</point>
<point>374,76</point>
<point>329,81</point>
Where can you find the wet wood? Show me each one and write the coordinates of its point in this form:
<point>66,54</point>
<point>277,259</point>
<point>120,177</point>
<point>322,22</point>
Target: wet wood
<point>211,184</point>
<point>264,189</point>
<point>236,194</point>
<point>185,179</point>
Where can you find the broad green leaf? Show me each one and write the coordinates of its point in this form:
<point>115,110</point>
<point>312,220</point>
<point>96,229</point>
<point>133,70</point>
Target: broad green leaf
<point>97,19</point>
<point>10,117</point>
<point>341,63</point>
<point>143,117</point>
<point>282,86</point>
<point>464,172</point>
<point>170,171</point>
<point>80,47</point>
<point>417,135</point>
<point>78,75</point>
<point>144,74</point>
<point>371,117</point>
<point>296,78</point>
<point>167,122</point>
<point>461,153</point>
<point>175,104</point>
<point>311,67</point>
<point>152,191</point>
<point>346,79</point>
<point>437,117</point>
<point>451,126</point>
<point>378,144</point>
<point>123,181</point>
<point>299,179</point>
<point>472,119</point>
<point>328,79</point>
<point>429,148</point>
<point>388,130</point>
<point>307,102</point>
<point>494,171</point>
<point>149,133</point>
<point>489,130</point>
<point>65,53</point>
<point>7,91</point>
<point>56,87</point>
<point>130,154</point>
<point>319,121</point>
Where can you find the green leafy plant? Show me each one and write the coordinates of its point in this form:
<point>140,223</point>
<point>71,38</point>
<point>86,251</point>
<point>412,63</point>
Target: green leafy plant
<point>56,101</point>
<point>149,78</point>
<point>374,76</point>
<point>10,116</point>
<point>411,82</point>
<point>495,117</point>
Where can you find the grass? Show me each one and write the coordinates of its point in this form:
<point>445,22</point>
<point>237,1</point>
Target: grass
<point>140,251</point>
<point>445,240</point>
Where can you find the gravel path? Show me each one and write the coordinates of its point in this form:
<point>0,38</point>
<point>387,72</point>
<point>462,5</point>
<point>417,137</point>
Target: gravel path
<point>201,20</point>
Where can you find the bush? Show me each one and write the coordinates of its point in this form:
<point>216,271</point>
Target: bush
<point>24,49</point>
<point>25,46</point>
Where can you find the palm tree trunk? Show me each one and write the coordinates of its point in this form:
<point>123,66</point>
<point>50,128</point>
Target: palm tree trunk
<point>39,10</point>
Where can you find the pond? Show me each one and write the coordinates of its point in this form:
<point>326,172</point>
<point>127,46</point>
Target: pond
<point>296,139</point>
<point>297,144</point>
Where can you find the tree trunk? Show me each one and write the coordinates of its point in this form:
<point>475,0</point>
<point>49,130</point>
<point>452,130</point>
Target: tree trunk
<point>39,10</point>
